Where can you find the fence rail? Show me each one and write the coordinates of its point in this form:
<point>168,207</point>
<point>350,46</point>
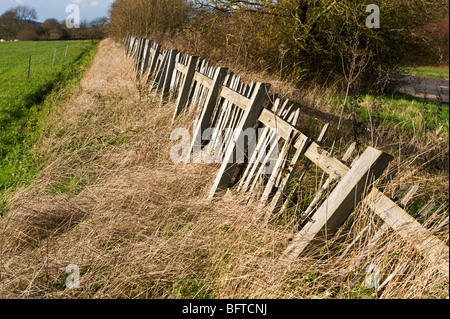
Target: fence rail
<point>221,100</point>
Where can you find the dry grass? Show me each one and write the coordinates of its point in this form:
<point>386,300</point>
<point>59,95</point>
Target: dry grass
<point>138,226</point>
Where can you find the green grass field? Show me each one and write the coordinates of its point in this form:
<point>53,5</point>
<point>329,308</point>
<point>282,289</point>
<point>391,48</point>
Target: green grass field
<point>25,101</point>
<point>440,73</point>
<point>415,115</point>
<point>400,112</point>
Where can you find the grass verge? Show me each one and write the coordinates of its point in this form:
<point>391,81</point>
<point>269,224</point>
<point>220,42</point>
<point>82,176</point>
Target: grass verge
<point>414,116</point>
<point>26,104</point>
<point>440,73</point>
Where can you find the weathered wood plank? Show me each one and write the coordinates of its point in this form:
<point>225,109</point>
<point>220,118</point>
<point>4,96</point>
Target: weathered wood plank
<point>181,67</point>
<point>186,86</point>
<point>146,57</point>
<point>249,118</point>
<point>207,111</point>
<point>234,97</point>
<point>332,166</point>
<point>276,123</point>
<point>305,168</point>
<point>276,171</point>
<point>327,183</point>
<point>153,61</point>
<point>341,202</point>
<point>409,195</point>
<point>286,180</point>
<point>167,78</point>
<point>426,209</point>
<point>432,249</point>
<point>203,80</point>
<point>158,80</point>
<point>253,158</point>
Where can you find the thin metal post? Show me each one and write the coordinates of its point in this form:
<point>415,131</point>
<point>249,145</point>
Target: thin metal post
<point>29,67</point>
<point>54,57</point>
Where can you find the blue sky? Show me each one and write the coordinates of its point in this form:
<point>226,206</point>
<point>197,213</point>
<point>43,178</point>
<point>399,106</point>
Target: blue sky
<point>89,9</point>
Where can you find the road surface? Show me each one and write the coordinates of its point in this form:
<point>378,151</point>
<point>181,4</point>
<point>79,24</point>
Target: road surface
<point>425,88</point>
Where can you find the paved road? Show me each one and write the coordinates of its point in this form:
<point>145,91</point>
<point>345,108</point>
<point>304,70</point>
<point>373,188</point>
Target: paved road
<point>429,88</point>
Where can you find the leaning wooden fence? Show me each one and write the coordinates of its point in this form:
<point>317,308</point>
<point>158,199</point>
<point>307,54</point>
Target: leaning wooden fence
<point>222,101</point>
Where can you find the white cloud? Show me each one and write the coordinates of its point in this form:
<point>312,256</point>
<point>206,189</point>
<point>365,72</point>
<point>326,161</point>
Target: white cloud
<point>94,4</point>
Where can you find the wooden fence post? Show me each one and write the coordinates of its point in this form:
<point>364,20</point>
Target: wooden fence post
<point>168,76</point>
<point>158,81</point>
<point>145,58</point>
<point>132,47</point>
<point>207,111</point>
<point>252,112</point>
<point>138,59</point>
<point>341,202</point>
<point>153,62</point>
<point>186,86</point>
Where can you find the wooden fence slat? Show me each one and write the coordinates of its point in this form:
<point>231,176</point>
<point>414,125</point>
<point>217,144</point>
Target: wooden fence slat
<point>186,86</point>
<point>304,170</point>
<point>158,80</point>
<point>146,57</point>
<point>168,75</point>
<point>203,80</point>
<point>327,183</point>
<point>265,142</point>
<point>286,180</point>
<point>273,150</point>
<point>140,57</point>
<point>153,62</point>
<point>401,191</point>
<point>249,118</point>
<point>409,195</point>
<point>385,227</point>
<point>431,248</point>
<point>332,166</point>
<point>254,158</point>
<point>137,56</point>
<point>276,171</point>
<point>273,155</point>
<point>426,209</point>
<point>234,97</point>
<point>269,139</point>
<point>341,202</point>
<point>207,111</point>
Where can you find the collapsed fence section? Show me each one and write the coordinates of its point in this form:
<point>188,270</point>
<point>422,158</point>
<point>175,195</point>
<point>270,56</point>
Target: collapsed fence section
<point>269,166</point>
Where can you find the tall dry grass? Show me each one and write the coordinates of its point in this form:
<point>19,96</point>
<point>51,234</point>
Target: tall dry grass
<point>138,226</point>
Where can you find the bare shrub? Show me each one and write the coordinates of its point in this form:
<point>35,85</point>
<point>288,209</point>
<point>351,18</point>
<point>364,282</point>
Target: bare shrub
<point>146,17</point>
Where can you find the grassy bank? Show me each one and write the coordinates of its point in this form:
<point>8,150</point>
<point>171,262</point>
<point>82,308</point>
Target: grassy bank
<point>25,101</point>
<point>415,115</point>
<point>398,112</point>
<point>440,73</point>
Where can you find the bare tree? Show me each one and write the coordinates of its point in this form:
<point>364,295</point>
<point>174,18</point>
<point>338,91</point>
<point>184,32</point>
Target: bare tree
<point>25,13</point>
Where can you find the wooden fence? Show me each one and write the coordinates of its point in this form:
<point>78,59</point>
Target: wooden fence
<point>221,101</point>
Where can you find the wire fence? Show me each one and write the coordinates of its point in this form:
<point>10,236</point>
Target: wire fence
<point>16,54</point>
